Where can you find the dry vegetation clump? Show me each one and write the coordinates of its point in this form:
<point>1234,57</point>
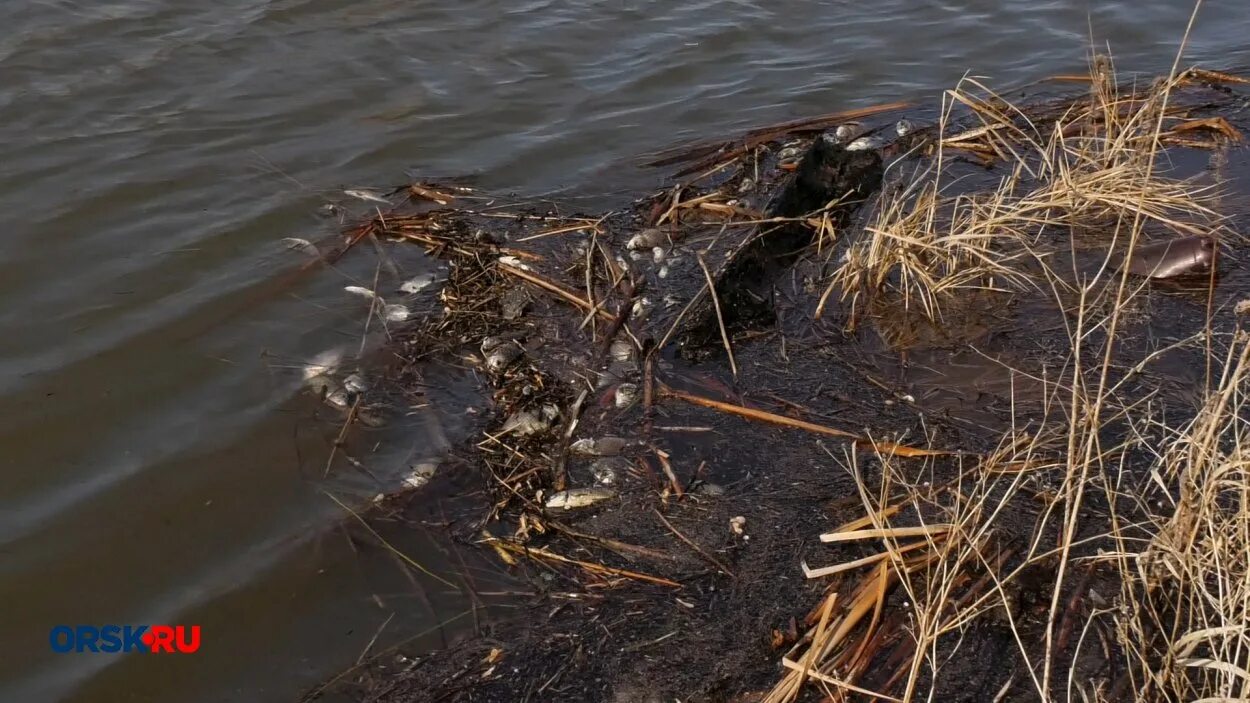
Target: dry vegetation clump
<point>1088,165</point>
<point>1111,496</point>
<point>1186,583</point>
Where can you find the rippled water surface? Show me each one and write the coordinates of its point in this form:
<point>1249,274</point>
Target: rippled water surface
<point>160,463</point>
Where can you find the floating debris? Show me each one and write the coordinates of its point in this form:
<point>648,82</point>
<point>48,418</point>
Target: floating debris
<point>579,498</point>
<point>603,446</point>
<point>1172,258</point>
<point>846,132</point>
<point>904,127</point>
<point>367,195</point>
<point>657,254</point>
<point>738,525</point>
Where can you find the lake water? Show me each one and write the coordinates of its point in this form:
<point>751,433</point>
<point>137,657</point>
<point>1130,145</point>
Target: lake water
<point>158,461</point>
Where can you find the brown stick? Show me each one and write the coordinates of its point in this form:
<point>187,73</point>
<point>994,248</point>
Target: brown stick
<point>587,565</point>
<point>724,336</point>
<point>763,416</point>
<point>668,471</point>
<point>554,288</point>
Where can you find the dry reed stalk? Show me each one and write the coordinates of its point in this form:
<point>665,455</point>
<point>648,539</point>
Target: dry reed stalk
<point>889,448</point>
<point>599,569</point>
<point>720,320</point>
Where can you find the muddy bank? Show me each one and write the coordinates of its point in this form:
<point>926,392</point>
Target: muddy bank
<point>768,434</point>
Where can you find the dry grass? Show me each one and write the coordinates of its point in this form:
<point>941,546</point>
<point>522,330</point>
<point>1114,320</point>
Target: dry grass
<point>1173,522</point>
<point>1088,165</point>
<point>1186,589</point>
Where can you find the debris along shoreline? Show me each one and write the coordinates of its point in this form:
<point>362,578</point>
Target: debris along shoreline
<point>718,453</point>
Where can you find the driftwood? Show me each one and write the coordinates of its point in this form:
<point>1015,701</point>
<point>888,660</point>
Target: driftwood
<point>829,179</point>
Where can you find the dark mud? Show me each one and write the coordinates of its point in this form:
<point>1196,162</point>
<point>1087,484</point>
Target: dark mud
<point>686,583</point>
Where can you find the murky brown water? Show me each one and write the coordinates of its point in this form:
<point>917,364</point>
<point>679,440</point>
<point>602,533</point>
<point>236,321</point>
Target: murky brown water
<point>159,462</point>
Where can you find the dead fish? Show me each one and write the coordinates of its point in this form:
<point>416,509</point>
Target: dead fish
<point>710,490</point>
<point>322,364</point>
<point>395,313</point>
<point>607,471</point>
<point>528,422</point>
<point>1172,258</point>
<point>846,132</point>
<point>788,153</point>
<point>647,239</point>
<point>514,262</point>
<point>524,424</point>
<point>579,498</point>
<point>500,352</point>
<point>297,244</point>
<point>329,389</point>
<point>621,350</point>
<point>416,284</point>
<point>419,475</point>
<point>603,446</point>
<point>361,291</point>
<point>865,144</point>
<point>366,195</point>
<point>642,307</point>
<point>355,383</point>
<point>626,394</point>
<point>372,416</point>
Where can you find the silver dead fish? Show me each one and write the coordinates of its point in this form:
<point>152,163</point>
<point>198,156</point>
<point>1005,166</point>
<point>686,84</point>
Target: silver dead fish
<point>366,195</point>
<point>417,284</point>
<point>579,498</point>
